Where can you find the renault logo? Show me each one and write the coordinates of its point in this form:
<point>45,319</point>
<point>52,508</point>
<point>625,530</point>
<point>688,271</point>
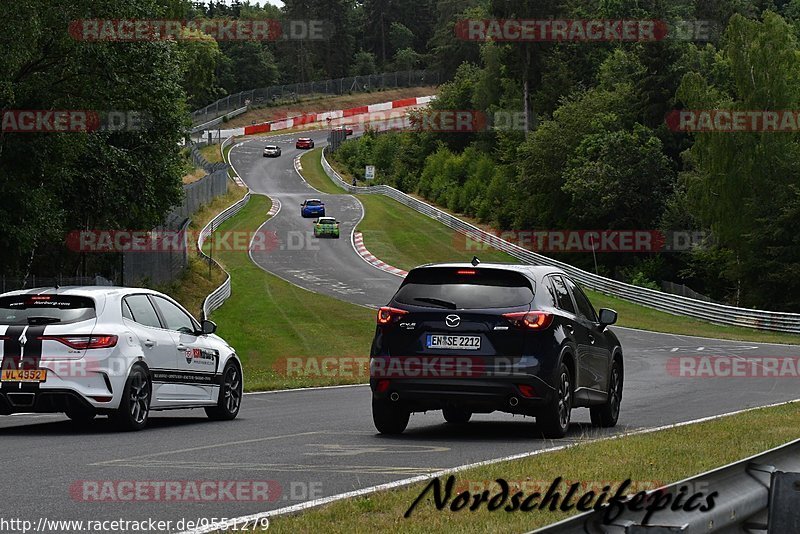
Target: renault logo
<point>452,321</point>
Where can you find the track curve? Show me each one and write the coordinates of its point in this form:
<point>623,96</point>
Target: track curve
<point>327,266</point>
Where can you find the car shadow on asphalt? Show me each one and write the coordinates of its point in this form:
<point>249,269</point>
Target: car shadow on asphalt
<point>521,431</point>
<point>99,426</point>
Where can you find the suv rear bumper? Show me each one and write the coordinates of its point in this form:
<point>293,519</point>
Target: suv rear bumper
<point>482,395</point>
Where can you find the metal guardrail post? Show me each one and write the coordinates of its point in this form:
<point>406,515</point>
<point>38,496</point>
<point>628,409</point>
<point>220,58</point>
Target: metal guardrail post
<point>784,503</point>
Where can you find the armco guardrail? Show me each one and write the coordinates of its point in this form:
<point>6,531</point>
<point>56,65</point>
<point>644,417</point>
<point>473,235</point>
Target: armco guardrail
<point>215,299</point>
<point>674,304</point>
<point>760,493</point>
<point>218,120</point>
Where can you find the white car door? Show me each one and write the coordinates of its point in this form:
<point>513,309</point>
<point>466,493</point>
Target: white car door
<point>196,361</point>
<point>158,345</point>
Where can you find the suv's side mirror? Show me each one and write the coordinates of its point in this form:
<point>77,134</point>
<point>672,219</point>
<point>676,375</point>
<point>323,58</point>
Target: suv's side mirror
<point>607,316</point>
<point>208,327</point>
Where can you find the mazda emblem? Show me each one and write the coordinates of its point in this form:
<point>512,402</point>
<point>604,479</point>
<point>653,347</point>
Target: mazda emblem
<point>452,321</point>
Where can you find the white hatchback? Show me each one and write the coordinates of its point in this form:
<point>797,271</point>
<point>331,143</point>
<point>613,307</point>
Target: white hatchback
<point>115,351</point>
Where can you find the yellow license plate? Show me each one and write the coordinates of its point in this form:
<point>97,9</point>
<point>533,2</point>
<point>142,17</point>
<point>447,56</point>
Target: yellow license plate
<point>24,375</point>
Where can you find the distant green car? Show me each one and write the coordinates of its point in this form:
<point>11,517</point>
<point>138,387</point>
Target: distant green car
<point>326,227</point>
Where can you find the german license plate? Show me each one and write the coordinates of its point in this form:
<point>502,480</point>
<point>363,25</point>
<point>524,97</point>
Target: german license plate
<point>24,375</point>
<point>454,342</point>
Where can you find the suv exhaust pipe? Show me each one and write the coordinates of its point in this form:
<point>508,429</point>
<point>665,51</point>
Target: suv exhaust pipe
<point>394,397</point>
<point>513,401</point>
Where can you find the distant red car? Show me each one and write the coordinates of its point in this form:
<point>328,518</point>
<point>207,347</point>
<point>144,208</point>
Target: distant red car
<point>346,129</point>
<point>304,142</point>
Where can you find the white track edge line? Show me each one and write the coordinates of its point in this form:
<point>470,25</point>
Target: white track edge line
<point>421,478</point>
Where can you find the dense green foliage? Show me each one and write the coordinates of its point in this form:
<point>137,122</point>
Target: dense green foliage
<point>577,137</point>
<point>597,152</point>
<point>359,38</point>
<point>51,183</point>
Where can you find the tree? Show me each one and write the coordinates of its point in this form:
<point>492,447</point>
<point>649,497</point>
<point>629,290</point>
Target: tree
<point>201,57</point>
<point>619,180</point>
<point>400,36</point>
<point>363,64</point>
<point>743,185</point>
<point>106,179</point>
<point>543,157</point>
<point>406,59</point>
<point>448,52</point>
<point>247,65</point>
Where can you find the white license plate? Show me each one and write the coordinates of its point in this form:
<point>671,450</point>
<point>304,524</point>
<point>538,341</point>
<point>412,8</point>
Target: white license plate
<point>454,342</point>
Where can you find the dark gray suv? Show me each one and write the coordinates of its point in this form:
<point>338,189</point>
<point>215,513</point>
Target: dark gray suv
<point>521,339</point>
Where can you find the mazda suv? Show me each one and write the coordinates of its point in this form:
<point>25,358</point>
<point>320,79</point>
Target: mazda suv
<point>478,338</point>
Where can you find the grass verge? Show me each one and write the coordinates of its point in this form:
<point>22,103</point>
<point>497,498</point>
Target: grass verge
<point>212,153</point>
<point>649,460</point>
<point>635,316</point>
<point>196,174</point>
<point>405,238</point>
<point>268,319</point>
<point>315,175</point>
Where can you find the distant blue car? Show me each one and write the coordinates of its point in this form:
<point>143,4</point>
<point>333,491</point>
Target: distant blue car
<point>312,207</point>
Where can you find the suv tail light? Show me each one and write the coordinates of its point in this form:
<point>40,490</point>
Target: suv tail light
<point>533,320</point>
<point>84,342</point>
<point>388,315</point>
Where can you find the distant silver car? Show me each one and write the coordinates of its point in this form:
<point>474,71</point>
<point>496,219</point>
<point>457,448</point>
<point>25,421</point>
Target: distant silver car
<point>272,151</point>
<point>116,351</point>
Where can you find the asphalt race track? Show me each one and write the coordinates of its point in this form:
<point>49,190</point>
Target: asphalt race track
<point>315,443</point>
<point>328,266</point>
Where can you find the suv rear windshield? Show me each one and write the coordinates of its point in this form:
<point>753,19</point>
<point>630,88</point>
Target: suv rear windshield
<point>465,288</point>
<point>45,309</point>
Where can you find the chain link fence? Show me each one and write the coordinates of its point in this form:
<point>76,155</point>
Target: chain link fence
<point>165,261</point>
<point>684,291</point>
<point>290,93</point>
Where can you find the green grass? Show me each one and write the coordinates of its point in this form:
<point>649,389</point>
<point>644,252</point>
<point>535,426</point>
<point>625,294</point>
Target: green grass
<point>268,319</point>
<point>649,460</point>
<point>405,238</point>
<point>211,153</point>
<point>315,175</point>
<point>635,316</point>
